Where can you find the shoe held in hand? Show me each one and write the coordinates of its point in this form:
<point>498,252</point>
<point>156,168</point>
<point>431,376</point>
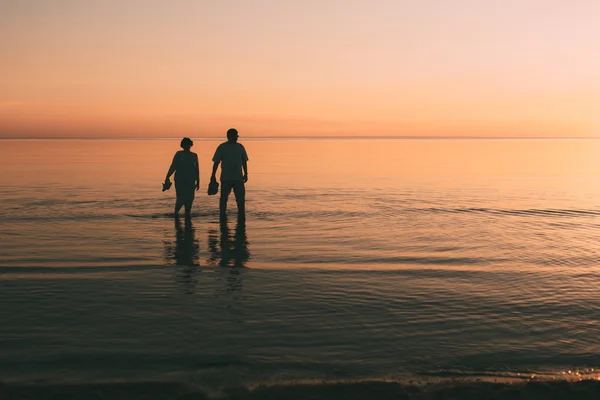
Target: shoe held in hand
<point>213,188</point>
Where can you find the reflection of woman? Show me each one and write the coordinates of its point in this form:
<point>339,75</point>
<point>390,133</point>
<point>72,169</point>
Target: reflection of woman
<point>186,249</point>
<point>187,176</point>
<point>184,252</point>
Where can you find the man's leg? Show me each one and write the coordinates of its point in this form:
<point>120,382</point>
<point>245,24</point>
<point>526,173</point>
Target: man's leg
<point>239,189</point>
<point>225,190</point>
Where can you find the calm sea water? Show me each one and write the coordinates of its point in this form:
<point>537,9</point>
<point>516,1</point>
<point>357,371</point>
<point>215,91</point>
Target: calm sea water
<point>359,259</point>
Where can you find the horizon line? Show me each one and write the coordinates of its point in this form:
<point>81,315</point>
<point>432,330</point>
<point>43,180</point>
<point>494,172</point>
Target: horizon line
<point>298,137</point>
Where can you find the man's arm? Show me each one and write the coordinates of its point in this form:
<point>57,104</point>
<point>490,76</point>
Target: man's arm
<point>213,177</point>
<point>245,164</point>
<point>216,160</point>
<point>197,173</point>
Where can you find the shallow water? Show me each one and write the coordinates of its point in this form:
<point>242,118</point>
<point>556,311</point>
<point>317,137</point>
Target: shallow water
<point>359,259</point>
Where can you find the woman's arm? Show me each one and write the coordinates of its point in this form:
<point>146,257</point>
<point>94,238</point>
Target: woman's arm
<point>172,168</point>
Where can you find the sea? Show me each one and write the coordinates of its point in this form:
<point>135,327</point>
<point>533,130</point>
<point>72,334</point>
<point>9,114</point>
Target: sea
<point>359,260</point>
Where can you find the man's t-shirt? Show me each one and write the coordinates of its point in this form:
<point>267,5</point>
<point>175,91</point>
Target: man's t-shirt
<point>232,156</point>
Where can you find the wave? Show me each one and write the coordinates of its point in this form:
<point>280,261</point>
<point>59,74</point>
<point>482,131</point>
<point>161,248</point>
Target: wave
<point>512,212</point>
<point>398,260</point>
<point>115,209</point>
<point>195,214</point>
<point>58,216</point>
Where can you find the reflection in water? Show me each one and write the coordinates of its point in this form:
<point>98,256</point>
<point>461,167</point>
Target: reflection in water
<point>184,253</point>
<point>227,250</point>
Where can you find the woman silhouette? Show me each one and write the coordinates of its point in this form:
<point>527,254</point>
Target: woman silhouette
<point>187,177</point>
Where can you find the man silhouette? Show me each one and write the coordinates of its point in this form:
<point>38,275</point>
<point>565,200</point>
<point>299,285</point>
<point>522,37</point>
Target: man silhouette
<point>233,159</point>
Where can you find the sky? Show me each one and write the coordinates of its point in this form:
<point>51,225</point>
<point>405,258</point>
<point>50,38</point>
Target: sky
<point>154,68</point>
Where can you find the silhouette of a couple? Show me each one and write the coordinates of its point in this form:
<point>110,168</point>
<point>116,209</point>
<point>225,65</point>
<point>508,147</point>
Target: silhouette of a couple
<point>234,174</point>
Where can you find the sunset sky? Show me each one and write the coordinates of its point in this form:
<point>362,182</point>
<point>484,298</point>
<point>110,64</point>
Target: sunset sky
<point>154,68</point>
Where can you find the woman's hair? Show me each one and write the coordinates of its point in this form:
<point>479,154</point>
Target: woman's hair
<point>186,143</point>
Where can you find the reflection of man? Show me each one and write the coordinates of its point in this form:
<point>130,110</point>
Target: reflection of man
<point>239,249</point>
<point>233,159</point>
<point>230,251</point>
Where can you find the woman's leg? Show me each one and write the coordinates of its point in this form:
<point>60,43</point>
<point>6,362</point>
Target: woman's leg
<point>188,209</point>
<point>188,197</point>
<point>178,205</point>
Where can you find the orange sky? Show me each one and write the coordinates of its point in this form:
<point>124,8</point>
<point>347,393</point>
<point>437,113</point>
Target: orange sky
<point>148,68</point>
